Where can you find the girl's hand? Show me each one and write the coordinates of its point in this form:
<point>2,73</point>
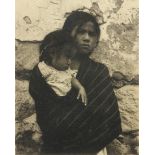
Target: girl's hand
<point>82,94</point>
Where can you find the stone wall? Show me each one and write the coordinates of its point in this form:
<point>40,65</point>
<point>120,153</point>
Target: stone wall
<point>118,49</point>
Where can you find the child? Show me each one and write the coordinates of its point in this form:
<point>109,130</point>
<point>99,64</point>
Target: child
<point>58,49</point>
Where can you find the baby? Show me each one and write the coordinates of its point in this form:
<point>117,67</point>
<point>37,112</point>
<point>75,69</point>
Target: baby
<point>58,49</point>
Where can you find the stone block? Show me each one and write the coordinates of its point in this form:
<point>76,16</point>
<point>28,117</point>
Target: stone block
<point>28,130</point>
<point>128,106</point>
<point>27,55</point>
<point>24,102</point>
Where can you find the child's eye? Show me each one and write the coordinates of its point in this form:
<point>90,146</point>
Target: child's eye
<point>68,56</point>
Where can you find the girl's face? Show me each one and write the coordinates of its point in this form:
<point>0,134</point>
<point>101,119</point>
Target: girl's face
<point>85,37</point>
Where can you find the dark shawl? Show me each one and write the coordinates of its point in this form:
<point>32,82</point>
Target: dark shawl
<point>67,125</point>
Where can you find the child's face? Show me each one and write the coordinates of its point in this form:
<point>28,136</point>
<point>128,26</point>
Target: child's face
<point>61,62</point>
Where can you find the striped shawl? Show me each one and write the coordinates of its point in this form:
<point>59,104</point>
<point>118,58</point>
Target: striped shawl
<point>69,126</point>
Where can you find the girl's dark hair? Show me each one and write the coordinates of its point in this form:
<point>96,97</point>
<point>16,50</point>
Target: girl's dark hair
<point>78,18</point>
<point>54,42</point>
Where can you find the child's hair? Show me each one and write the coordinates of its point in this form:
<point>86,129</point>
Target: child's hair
<point>54,42</point>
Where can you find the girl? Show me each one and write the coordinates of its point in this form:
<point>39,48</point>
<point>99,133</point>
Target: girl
<point>69,126</point>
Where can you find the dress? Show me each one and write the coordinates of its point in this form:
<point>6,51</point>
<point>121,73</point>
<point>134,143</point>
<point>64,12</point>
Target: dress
<point>59,81</point>
<point>67,125</point>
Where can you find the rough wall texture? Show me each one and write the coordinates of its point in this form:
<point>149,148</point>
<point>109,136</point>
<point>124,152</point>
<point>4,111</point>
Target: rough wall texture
<point>118,49</point>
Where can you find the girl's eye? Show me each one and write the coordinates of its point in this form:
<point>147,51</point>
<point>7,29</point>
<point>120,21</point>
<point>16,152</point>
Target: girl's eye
<point>81,31</point>
<point>92,34</point>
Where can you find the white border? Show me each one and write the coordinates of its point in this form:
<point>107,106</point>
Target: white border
<point>7,77</point>
<point>147,77</point>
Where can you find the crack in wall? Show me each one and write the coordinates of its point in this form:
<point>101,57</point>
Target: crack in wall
<point>27,41</point>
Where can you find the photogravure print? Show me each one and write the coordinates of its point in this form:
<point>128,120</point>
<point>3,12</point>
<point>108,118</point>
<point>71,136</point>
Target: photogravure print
<point>115,52</point>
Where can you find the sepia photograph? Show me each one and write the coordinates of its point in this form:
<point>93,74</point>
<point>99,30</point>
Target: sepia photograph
<point>77,77</point>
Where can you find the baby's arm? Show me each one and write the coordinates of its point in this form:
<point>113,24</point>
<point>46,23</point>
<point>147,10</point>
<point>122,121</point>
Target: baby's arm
<point>82,93</point>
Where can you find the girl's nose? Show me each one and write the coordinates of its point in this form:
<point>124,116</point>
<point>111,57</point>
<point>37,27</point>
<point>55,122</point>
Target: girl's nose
<point>86,37</point>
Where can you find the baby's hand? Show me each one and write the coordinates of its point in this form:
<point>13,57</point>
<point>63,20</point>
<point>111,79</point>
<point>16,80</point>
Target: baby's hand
<point>83,95</point>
